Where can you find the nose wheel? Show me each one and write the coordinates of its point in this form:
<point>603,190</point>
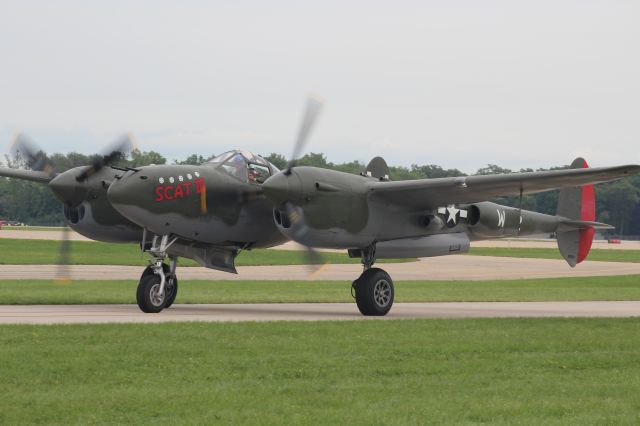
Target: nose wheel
<point>171,288</point>
<point>149,297</point>
<point>158,285</point>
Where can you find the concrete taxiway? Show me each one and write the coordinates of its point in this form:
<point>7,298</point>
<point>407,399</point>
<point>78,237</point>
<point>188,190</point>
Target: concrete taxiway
<point>66,314</point>
<point>457,267</point>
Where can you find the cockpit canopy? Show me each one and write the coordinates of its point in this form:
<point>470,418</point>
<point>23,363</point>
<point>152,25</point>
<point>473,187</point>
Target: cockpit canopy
<point>244,165</point>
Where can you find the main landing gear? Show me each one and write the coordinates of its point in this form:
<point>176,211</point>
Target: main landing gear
<point>374,288</point>
<point>158,286</point>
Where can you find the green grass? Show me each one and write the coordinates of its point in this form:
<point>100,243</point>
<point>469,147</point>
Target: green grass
<point>90,292</point>
<point>45,252</point>
<point>496,371</point>
<point>32,228</point>
<point>603,255</point>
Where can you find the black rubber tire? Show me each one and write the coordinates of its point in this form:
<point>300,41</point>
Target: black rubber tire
<point>171,285</point>
<point>149,271</point>
<point>144,297</point>
<point>374,292</point>
<point>171,288</point>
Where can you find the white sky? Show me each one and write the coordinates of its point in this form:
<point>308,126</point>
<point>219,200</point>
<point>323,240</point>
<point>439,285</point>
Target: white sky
<point>455,83</point>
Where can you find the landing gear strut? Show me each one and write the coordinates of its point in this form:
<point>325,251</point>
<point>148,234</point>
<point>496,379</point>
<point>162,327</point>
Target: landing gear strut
<point>158,286</point>
<point>374,288</point>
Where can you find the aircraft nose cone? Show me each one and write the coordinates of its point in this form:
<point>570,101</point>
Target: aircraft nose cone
<point>67,189</point>
<point>277,188</point>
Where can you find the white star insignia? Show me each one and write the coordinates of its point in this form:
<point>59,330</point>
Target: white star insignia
<point>453,212</point>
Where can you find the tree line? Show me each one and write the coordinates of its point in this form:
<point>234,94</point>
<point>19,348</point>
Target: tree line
<point>618,203</point>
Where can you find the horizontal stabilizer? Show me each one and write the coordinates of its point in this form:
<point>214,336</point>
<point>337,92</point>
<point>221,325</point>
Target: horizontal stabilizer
<point>378,169</point>
<point>571,225</point>
<point>31,175</point>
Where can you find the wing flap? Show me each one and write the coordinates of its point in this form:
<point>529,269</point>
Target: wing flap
<point>430,193</point>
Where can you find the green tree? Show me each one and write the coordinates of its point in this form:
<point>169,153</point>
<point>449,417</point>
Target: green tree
<point>193,159</point>
<point>145,158</point>
<point>353,167</point>
<point>492,169</point>
<point>619,201</point>
<point>277,160</point>
<point>313,159</point>
<point>400,173</point>
<point>432,171</point>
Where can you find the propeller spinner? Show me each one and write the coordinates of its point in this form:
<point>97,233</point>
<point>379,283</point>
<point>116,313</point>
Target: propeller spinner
<point>284,189</point>
<point>71,187</point>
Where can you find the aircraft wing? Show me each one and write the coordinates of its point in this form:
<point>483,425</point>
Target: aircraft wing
<point>430,193</point>
<point>31,175</point>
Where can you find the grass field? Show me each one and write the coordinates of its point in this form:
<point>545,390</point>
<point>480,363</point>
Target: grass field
<point>45,252</point>
<point>507,371</point>
<point>548,253</point>
<point>90,292</point>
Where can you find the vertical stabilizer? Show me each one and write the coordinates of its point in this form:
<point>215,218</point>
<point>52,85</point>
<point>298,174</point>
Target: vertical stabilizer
<point>378,169</point>
<point>577,204</point>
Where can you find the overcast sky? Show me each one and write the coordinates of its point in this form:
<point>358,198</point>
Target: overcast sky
<point>455,83</point>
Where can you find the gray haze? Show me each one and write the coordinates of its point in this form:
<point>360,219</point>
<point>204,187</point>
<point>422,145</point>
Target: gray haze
<point>455,83</point>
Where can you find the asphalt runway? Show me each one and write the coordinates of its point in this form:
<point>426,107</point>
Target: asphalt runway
<point>94,314</point>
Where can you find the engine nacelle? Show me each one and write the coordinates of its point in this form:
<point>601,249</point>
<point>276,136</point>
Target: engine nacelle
<point>98,220</point>
<point>490,220</point>
<point>295,225</point>
<point>320,208</point>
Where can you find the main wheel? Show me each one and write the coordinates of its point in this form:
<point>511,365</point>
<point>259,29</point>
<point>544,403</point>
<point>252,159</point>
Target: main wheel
<point>148,294</point>
<point>374,292</point>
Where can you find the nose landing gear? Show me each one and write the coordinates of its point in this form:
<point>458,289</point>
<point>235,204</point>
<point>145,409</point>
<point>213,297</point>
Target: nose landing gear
<point>158,285</point>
